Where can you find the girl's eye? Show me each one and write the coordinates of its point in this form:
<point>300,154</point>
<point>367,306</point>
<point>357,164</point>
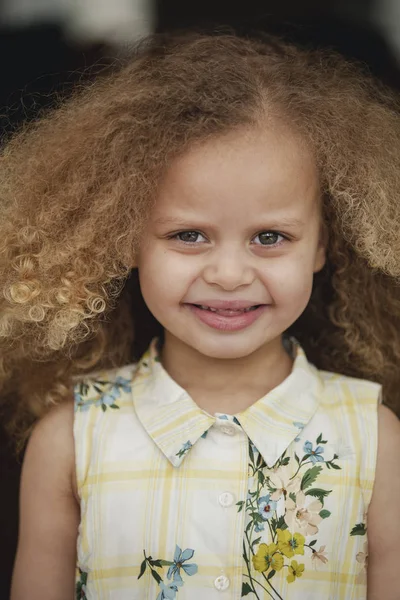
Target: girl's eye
<point>269,238</point>
<point>189,237</point>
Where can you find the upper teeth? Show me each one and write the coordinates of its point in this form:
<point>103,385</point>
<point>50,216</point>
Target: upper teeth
<point>232,309</point>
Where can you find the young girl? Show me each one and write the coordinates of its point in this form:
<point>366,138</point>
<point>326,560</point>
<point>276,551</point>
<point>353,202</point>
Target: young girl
<point>250,189</point>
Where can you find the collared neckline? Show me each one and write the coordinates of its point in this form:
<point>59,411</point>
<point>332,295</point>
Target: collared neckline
<point>175,423</point>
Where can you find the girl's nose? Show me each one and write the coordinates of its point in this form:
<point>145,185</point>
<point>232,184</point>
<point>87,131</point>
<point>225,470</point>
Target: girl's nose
<point>229,270</point>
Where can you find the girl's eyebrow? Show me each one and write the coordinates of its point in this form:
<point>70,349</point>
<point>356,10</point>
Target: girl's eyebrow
<point>172,220</point>
<point>273,223</point>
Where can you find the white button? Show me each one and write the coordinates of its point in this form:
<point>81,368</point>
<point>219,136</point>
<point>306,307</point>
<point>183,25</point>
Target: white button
<point>222,583</point>
<point>228,429</point>
<point>226,499</point>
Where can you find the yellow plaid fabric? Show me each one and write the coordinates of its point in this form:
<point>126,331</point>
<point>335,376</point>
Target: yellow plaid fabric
<point>180,504</point>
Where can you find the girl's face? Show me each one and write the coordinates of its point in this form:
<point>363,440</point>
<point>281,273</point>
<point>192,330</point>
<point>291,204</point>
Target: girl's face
<point>236,224</point>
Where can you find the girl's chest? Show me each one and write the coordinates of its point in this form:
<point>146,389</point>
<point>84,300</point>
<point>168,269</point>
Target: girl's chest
<point>223,524</point>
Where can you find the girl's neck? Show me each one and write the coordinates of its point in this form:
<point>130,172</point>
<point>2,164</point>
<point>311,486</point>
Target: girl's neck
<point>226,386</point>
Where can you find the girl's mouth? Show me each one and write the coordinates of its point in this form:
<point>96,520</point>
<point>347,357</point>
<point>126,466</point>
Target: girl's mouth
<point>227,319</point>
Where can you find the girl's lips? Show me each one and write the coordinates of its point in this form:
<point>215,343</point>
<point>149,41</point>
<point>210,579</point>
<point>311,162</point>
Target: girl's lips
<point>227,322</point>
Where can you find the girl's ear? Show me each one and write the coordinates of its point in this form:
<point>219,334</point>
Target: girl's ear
<point>320,259</point>
<point>320,255</point>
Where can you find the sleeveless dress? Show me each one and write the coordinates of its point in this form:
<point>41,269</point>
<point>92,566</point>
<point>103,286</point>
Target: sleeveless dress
<point>178,504</point>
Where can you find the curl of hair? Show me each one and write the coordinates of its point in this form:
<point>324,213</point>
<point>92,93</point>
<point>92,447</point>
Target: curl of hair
<point>77,183</point>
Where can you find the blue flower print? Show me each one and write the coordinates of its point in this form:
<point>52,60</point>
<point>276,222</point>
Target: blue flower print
<point>168,592</point>
<point>266,507</point>
<point>100,393</point>
<point>299,426</point>
<point>259,527</point>
<point>185,448</point>
<point>315,455</point>
<point>124,384</point>
<point>179,559</point>
<point>109,398</point>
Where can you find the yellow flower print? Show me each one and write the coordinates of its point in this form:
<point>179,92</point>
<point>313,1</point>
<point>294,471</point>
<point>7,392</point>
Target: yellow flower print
<point>267,558</point>
<point>295,570</point>
<point>290,545</point>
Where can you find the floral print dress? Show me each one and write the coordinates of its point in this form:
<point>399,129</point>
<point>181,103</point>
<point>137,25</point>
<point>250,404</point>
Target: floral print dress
<point>177,504</point>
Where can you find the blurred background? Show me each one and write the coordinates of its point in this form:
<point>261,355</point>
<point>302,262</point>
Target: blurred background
<point>48,46</point>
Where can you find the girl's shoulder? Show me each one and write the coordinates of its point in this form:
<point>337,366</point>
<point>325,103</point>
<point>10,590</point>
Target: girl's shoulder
<point>351,390</point>
<point>383,512</point>
<point>55,425</point>
<point>49,510</point>
<point>50,447</point>
<point>111,374</point>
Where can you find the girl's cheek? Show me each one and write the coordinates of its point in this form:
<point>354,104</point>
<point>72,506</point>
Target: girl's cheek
<point>288,280</point>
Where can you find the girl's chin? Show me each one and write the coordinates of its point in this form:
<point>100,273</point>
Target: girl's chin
<point>225,349</point>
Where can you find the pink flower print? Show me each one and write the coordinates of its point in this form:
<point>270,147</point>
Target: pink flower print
<point>303,518</point>
<point>280,479</point>
<point>319,556</point>
<point>362,557</point>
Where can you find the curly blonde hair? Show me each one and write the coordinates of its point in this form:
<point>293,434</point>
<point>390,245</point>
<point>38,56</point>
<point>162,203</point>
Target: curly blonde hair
<point>76,186</point>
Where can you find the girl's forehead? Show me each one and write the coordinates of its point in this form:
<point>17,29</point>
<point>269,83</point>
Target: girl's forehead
<point>267,169</point>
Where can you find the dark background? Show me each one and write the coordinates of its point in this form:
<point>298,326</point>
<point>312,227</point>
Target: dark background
<point>39,59</point>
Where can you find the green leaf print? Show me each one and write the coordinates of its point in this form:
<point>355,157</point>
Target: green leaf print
<point>332,465</point>
<point>156,576</point>
<point>246,589</point>
<point>359,529</point>
<point>324,514</point>
<point>279,523</point>
<point>318,493</point>
<point>80,589</point>
<point>251,455</point>
<point>310,476</point>
<point>142,569</point>
<point>156,563</point>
